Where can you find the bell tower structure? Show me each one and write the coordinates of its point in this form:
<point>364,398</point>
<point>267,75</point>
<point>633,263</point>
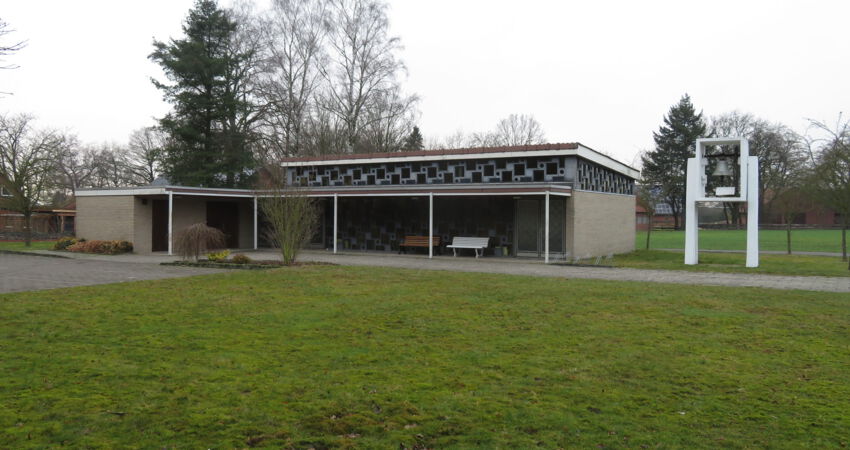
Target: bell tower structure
<point>722,171</point>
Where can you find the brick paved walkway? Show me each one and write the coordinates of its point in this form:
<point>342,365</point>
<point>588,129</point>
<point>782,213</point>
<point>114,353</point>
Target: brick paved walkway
<point>535,268</point>
<point>27,273</point>
<point>514,266</point>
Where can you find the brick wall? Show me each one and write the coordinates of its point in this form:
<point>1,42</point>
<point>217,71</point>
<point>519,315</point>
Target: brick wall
<point>599,224</point>
<point>106,218</point>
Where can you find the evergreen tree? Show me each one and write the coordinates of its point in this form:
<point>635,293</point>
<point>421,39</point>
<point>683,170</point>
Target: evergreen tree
<point>208,129</point>
<point>674,144</point>
<point>414,140</point>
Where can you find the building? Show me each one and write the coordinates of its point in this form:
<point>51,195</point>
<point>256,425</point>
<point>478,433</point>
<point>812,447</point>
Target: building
<point>370,202</point>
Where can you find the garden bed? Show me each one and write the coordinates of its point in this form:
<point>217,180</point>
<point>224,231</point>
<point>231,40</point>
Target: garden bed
<point>253,265</point>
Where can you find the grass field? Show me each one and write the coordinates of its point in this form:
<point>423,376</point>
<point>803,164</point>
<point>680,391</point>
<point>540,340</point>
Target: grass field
<point>775,240</point>
<point>797,265</point>
<point>19,246</point>
<point>332,356</point>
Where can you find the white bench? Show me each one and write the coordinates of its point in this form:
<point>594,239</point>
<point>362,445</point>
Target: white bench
<point>475,243</point>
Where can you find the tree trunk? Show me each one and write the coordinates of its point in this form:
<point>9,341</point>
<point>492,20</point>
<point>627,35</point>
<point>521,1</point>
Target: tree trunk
<point>27,229</point>
<point>844,242</point>
<point>648,231</point>
<point>788,234</point>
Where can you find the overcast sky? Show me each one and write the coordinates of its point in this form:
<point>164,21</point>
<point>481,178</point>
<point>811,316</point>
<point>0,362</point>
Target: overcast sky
<point>602,73</point>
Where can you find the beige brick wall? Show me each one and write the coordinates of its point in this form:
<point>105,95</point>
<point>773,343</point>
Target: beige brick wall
<point>106,218</point>
<point>599,224</point>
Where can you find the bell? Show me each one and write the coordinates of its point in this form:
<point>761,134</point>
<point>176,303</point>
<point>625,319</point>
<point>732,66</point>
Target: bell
<point>722,169</point>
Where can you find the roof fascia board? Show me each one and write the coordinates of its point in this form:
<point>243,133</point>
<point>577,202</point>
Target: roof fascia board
<point>164,190</point>
<point>607,161</point>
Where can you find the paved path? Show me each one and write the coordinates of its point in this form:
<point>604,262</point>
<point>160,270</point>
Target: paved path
<point>762,252</point>
<point>516,266</point>
<point>535,268</point>
<point>27,273</point>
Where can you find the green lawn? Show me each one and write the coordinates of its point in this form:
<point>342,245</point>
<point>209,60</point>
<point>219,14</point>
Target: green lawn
<point>827,266</point>
<point>333,356</point>
<point>19,246</point>
<point>801,240</point>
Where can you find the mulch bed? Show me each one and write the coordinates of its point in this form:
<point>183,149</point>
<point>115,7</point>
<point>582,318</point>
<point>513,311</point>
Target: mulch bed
<point>253,265</point>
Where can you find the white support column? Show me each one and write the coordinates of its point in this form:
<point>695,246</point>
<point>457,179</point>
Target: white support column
<point>336,204</point>
<point>752,212</point>
<point>691,215</point>
<point>546,230</point>
<point>255,222</point>
<point>430,225</point>
<point>170,222</point>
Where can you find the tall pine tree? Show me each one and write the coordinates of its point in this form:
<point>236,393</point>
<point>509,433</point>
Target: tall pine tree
<point>665,166</point>
<point>209,126</point>
<point>414,140</point>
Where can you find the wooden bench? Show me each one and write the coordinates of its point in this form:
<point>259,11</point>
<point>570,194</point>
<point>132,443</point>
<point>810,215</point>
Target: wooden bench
<point>418,241</point>
<point>475,243</point>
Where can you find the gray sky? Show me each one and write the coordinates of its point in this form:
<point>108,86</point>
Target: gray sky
<point>601,72</point>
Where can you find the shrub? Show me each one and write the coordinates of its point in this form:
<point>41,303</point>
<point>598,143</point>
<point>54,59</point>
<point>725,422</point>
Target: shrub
<point>64,243</point>
<point>218,256</point>
<point>101,247</point>
<point>197,239</point>
<point>240,259</point>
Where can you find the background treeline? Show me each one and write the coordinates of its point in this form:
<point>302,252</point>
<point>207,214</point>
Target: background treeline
<point>249,87</point>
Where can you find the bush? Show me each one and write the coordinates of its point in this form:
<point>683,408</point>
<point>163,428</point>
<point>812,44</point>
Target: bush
<point>218,256</point>
<point>65,242</point>
<point>197,239</point>
<point>240,259</point>
<point>101,247</point>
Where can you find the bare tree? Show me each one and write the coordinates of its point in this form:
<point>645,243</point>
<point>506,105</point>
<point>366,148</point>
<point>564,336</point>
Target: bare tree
<point>145,150</point>
<point>7,49</point>
<point>458,139</point>
<point>28,163</point>
<point>648,197</point>
<point>830,180</point>
<point>788,203</point>
<point>516,129</point>
<point>390,121</point>
<point>519,129</point>
<point>76,164</point>
<point>293,33</point>
<point>363,66</point>
<point>781,153</point>
<point>291,214</point>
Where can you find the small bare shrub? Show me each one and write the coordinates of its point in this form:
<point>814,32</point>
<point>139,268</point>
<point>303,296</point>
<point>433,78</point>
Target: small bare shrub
<point>239,258</point>
<point>291,214</point>
<point>196,240</point>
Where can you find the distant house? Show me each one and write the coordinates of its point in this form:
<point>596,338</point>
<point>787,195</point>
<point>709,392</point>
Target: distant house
<point>44,221</point>
<point>663,218</point>
<point>371,202</point>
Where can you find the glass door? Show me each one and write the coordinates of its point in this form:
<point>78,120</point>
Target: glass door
<point>528,231</point>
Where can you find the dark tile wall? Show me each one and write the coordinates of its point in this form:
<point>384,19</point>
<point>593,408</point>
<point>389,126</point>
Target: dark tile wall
<point>593,177</point>
<point>557,169</point>
<point>501,170</point>
<point>381,223</point>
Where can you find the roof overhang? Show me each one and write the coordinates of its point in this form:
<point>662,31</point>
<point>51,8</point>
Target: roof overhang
<point>165,190</point>
<point>445,190</point>
<point>348,191</point>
